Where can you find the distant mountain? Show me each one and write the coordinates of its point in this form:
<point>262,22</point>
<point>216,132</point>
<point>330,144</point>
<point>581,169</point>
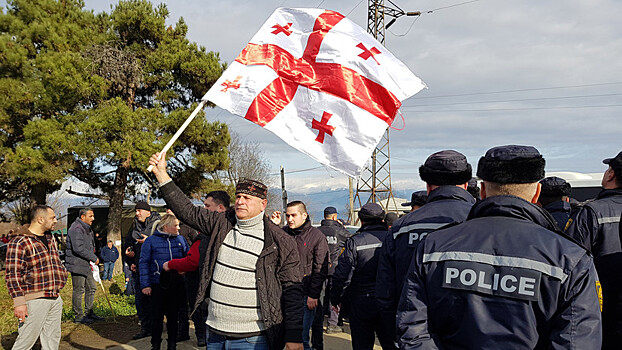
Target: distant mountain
<point>338,198</point>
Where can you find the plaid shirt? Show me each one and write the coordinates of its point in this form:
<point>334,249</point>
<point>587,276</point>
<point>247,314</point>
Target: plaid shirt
<point>32,269</point>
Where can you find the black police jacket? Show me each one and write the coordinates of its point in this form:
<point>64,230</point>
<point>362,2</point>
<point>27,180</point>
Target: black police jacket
<point>356,270</point>
<point>501,280</point>
<point>560,211</point>
<point>596,226</point>
<point>336,236</point>
<point>446,204</point>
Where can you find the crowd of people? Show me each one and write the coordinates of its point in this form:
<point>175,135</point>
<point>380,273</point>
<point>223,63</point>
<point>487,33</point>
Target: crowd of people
<point>509,261</point>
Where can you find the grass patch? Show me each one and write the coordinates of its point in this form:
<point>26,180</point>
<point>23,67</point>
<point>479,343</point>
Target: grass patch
<point>122,304</point>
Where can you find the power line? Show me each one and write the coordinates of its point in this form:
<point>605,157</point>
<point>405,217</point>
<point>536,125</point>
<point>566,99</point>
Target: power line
<point>454,5</point>
<point>515,100</point>
<point>516,109</point>
<point>519,90</point>
<point>354,8</point>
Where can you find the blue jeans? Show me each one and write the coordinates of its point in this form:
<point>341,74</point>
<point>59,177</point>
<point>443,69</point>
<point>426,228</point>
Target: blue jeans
<point>307,322</point>
<point>219,342</point>
<point>108,268</point>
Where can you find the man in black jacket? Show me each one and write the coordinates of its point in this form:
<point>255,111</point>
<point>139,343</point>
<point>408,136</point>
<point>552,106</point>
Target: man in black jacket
<point>79,254</point>
<point>356,275</point>
<point>144,223</point>
<point>446,174</point>
<point>554,198</point>
<point>336,236</point>
<point>595,226</point>
<point>313,252</point>
<point>250,278</point>
<point>505,278</point>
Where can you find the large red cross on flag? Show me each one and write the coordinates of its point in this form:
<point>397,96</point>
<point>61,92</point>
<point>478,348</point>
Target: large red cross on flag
<point>320,82</point>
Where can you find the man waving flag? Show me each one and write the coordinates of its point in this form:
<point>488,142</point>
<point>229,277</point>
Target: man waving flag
<point>320,82</point>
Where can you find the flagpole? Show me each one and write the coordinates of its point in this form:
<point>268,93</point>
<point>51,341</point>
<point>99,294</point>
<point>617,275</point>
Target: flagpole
<point>178,133</point>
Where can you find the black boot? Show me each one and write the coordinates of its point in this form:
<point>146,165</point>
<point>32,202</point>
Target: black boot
<point>171,346</point>
<point>155,346</point>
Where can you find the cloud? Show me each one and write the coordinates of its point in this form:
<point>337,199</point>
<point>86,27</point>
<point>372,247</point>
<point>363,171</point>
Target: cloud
<point>547,49</point>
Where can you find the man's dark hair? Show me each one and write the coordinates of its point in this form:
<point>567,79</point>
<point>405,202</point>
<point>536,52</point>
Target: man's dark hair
<point>83,211</point>
<point>220,197</point>
<point>298,203</point>
<point>38,210</point>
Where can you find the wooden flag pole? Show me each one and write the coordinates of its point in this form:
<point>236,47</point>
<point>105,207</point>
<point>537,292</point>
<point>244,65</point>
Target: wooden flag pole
<point>178,133</point>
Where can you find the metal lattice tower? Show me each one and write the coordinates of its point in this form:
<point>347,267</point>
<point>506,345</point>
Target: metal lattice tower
<point>376,179</point>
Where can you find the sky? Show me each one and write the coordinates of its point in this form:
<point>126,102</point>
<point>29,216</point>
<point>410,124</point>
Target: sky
<point>541,73</point>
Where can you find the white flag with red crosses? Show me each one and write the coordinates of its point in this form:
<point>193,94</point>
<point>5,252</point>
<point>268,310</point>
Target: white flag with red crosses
<point>320,82</point>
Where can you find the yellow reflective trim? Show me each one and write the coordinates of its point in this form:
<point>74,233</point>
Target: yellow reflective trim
<point>599,292</point>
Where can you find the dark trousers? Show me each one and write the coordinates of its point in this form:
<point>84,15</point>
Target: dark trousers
<point>165,302</point>
<point>142,304</point>
<point>317,328</point>
<point>199,317</point>
<point>365,322</point>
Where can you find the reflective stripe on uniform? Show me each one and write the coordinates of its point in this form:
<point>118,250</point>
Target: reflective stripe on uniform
<point>609,220</point>
<point>509,261</point>
<point>369,246</point>
<point>419,226</point>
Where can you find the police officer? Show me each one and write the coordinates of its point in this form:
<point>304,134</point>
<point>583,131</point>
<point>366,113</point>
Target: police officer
<point>356,272</point>
<point>554,199</point>
<point>417,200</point>
<point>336,236</point>
<point>596,225</point>
<point>503,279</point>
<point>473,188</point>
<point>446,174</point>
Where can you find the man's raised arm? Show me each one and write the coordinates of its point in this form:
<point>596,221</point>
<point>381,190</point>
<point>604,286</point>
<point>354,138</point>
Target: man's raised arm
<point>198,218</point>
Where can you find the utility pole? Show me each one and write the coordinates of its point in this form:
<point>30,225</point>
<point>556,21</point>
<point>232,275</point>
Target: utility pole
<point>283,190</point>
<point>376,179</point>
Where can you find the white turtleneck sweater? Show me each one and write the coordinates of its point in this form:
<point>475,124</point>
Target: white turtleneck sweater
<point>234,303</point>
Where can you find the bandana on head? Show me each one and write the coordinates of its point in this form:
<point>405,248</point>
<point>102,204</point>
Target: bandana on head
<point>251,187</point>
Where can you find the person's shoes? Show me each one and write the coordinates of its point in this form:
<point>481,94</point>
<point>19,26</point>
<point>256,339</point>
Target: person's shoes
<point>201,343</point>
<point>171,346</point>
<point>83,320</point>
<point>141,334</point>
<point>155,346</point>
<point>333,329</point>
<point>95,317</point>
<point>183,338</point>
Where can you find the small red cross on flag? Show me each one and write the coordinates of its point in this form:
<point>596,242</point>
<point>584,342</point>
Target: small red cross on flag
<point>234,85</point>
<point>368,53</point>
<point>316,69</point>
<point>322,127</point>
<point>282,29</point>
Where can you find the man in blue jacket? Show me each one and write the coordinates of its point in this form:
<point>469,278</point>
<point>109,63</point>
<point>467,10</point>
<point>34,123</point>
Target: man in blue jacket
<point>595,226</point>
<point>446,174</point>
<point>109,255</point>
<point>505,278</point>
<point>165,288</point>
<point>79,254</point>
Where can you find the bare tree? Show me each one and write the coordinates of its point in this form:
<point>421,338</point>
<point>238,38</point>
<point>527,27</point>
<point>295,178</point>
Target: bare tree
<point>246,160</point>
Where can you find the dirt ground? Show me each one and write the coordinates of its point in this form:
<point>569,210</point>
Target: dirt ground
<point>117,335</point>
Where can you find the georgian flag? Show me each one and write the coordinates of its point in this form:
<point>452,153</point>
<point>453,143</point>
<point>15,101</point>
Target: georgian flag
<point>319,82</point>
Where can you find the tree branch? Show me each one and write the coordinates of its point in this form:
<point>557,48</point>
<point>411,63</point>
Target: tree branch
<point>90,195</point>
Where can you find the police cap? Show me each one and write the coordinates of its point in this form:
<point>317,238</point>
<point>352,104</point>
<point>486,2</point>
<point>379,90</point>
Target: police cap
<point>371,212</point>
<point>512,164</point>
<point>615,162</point>
<point>330,210</point>
<point>554,186</point>
<point>446,168</point>
<point>417,198</point>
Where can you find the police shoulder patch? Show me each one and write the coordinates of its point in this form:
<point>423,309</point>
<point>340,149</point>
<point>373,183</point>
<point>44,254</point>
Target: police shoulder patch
<point>503,281</point>
<point>599,293</point>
